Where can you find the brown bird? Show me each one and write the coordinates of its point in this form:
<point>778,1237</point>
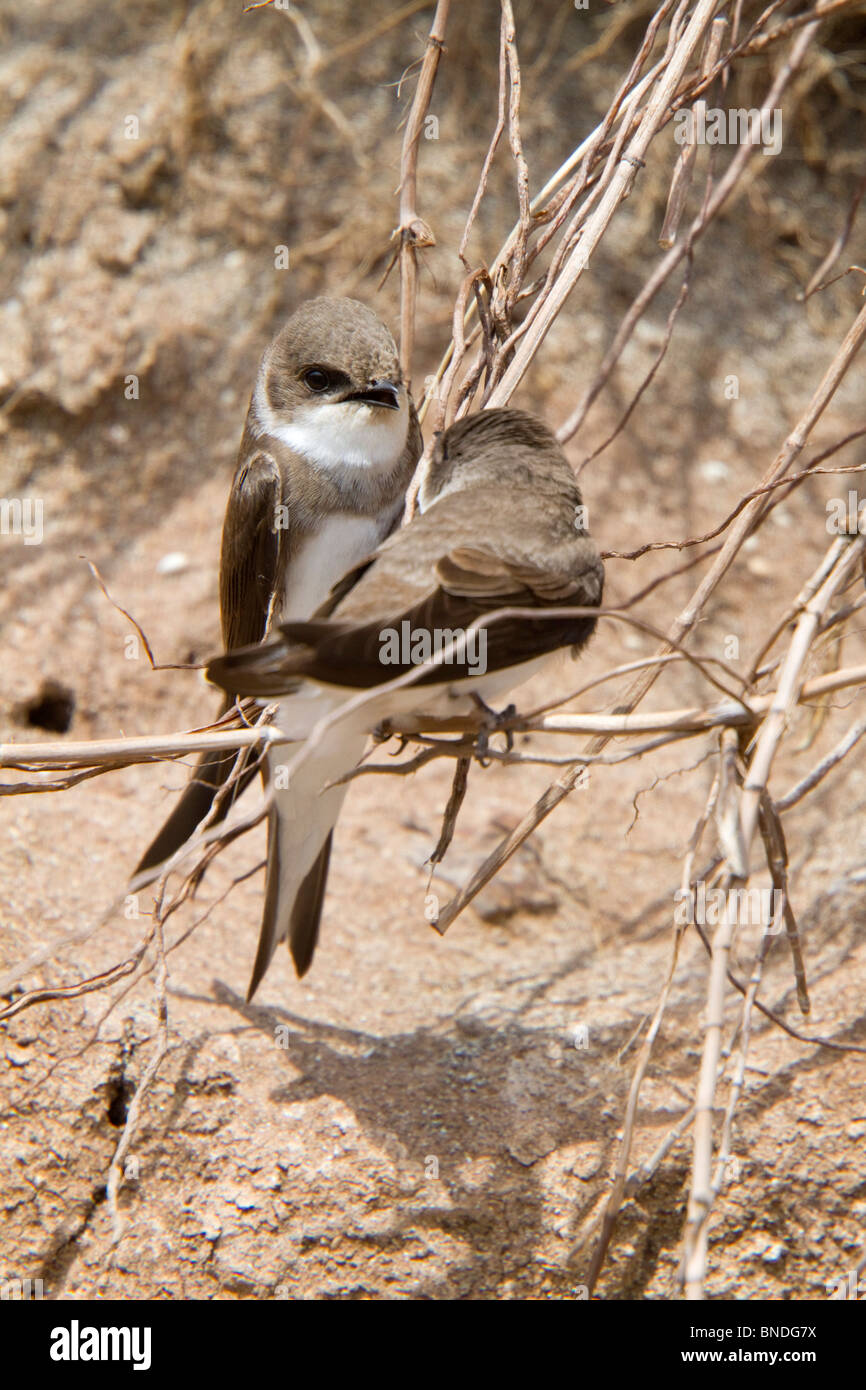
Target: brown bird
<point>500,525</point>
<point>330,444</point>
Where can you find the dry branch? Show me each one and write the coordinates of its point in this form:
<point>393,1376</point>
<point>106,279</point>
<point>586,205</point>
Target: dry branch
<point>755,788</point>
<point>412,231</point>
<point>744,524</point>
<point>106,755</point>
<point>682,53</point>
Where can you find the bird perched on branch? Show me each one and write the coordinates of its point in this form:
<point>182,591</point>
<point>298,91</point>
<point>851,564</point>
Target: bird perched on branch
<point>330,444</point>
<point>500,526</point>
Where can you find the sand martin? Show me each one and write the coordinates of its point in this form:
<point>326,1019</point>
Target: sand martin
<point>330,444</point>
<point>500,525</point>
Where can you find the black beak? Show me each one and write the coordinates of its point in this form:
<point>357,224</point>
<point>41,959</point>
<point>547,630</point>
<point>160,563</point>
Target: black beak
<point>380,392</point>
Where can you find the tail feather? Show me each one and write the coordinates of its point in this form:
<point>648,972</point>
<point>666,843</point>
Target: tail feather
<point>300,826</point>
<point>307,911</point>
<point>210,775</point>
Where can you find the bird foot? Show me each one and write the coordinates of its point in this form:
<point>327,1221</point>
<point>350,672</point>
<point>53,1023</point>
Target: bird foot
<point>493,724</point>
<point>383,733</point>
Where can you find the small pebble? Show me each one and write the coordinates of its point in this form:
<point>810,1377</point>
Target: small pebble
<point>713,470</point>
<point>175,562</point>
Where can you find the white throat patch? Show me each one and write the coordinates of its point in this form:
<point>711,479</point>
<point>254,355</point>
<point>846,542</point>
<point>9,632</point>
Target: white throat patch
<point>334,434</point>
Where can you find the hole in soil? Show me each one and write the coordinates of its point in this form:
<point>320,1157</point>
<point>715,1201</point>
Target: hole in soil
<point>51,709</point>
<point>120,1093</point>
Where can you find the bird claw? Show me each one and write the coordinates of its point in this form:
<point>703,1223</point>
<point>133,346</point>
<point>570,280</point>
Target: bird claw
<point>383,733</point>
<point>493,724</point>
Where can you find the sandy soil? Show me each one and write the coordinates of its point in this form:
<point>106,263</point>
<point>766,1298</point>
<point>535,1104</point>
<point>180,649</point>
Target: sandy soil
<point>419,1118</point>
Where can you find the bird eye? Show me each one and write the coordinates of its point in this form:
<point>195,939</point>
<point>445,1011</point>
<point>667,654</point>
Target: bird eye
<point>316,378</point>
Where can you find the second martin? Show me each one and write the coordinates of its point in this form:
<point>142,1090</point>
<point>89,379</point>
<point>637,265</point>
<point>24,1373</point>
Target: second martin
<point>500,526</point>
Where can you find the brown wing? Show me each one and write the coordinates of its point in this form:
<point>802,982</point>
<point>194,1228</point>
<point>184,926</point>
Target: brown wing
<point>473,572</point>
<point>249,569</point>
<point>252,544</point>
<point>473,582</point>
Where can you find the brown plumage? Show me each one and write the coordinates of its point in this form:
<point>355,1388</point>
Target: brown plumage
<point>501,527</point>
<point>282,499</point>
